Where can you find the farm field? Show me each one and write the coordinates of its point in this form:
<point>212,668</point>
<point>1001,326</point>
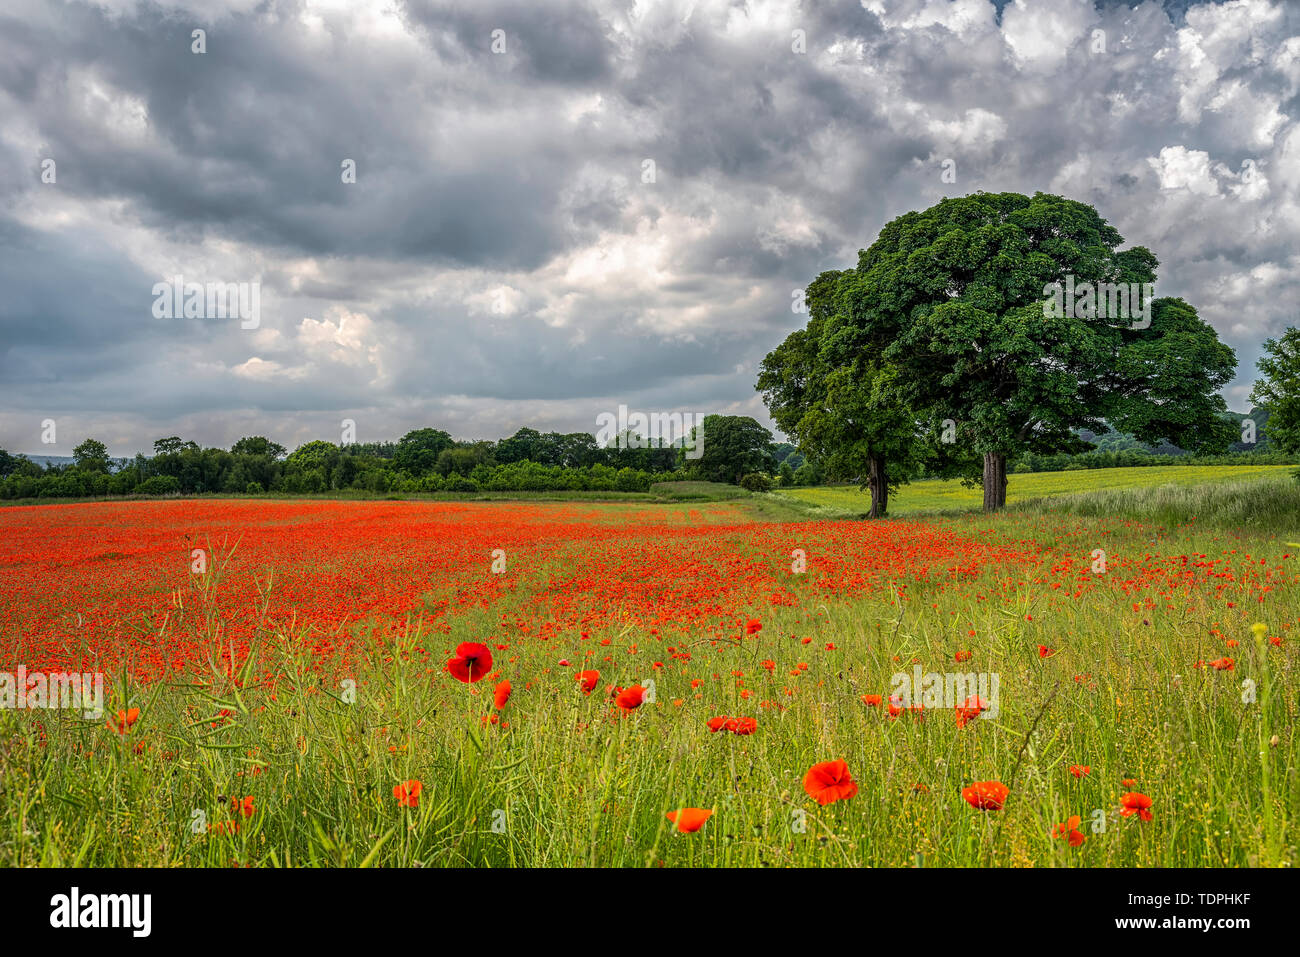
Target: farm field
<point>930,495</point>
<point>543,684</point>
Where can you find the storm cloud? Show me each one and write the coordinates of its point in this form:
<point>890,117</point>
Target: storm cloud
<point>561,207</point>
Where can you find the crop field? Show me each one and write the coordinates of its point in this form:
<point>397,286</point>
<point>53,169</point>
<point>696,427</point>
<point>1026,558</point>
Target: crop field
<point>930,495</point>
<point>686,684</point>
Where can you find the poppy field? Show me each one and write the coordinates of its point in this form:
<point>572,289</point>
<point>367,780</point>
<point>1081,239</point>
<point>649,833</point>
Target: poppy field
<point>349,683</point>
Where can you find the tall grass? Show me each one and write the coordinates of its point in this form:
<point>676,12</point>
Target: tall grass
<point>562,780</point>
<point>1269,504</point>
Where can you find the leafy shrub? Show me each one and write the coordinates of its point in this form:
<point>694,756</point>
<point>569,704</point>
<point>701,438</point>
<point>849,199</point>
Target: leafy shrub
<point>159,485</point>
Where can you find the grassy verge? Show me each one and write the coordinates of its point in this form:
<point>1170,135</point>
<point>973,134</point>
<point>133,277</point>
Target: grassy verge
<point>933,497</point>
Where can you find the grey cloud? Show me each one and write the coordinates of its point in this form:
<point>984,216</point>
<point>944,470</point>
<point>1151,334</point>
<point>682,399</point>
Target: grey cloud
<point>480,172</point>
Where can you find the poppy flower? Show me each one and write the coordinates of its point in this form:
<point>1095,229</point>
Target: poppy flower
<point>1135,803</point>
<point>971,708</point>
<point>690,820</point>
<point>829,782</point>
<point>963,656</point>
<point>1070,831</point>
<point>123,721</point>
<point>871,700</point>
<point>1045,652</point>
<point>753,626</point>
<point>588,680</point>
<point>718,723</point>
<point>630,698</point>
<point>246,806</point>
<point>1079,770</point>
<point>502,694</point>
<point>745,726</point>
<point>408,793</point>
<point>1222,664</point>
<point>472,662</point>
<point>986,795</point>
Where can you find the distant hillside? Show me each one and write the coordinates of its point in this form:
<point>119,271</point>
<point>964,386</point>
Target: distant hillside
<point>1123,442</point>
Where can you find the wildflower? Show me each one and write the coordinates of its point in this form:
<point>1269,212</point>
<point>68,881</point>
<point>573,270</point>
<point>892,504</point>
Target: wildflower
<point>408,793</point>
<point>123,721</point>
<point>1135,803</point>
<point>502,694</point>
<point>690,819</point>
<point>829,782</point>
<point>986,795</point>
<point>471,663</point>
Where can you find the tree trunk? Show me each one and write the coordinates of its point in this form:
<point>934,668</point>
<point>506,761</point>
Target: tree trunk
<point>878,483</point>
<point>995,481</point>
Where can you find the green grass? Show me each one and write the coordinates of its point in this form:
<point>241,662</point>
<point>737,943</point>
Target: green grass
<point>566,784</point>
<point>697,491</point>
<point>934,495</point>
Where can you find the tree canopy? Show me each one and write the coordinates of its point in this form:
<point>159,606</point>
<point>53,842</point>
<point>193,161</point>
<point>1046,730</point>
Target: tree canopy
<point>953,317</point>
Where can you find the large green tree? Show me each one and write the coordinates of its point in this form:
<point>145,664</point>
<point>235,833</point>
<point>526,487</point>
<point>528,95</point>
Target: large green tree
<point>839,399</point>
<point>92,456</point>
<point>418,450</point>
<point>1278,392</point>
<point>731,446</point>
<point>954,298</point>
<point>256,445</point>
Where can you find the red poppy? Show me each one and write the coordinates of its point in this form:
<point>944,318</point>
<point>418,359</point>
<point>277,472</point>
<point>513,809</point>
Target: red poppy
<point>1070,831</point>
<point>630,698</point>
<point>588,679</point>
<point>718,723</point>
<point>502,694</point>
<point>124,720</point>
<point>246,807</point>
<point>871,700</point>
<point>691,819</point>
<point>1135,803</point>
<point>472,662</point>
<point>971,708</point>
<point>963,656</point>
<point>745,726</point>
<point>986,795</point>
<point>1079,770</point>
<point>1045,652</point>
<point>1222,664</point>
<point>408,793</point>
<point>753,626</point>
<point>829,782</point>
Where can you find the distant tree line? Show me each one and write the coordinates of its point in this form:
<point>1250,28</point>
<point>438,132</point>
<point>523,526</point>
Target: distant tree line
<point>734,449</point>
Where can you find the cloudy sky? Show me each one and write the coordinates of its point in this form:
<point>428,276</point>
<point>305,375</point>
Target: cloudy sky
<point>507,257</point>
